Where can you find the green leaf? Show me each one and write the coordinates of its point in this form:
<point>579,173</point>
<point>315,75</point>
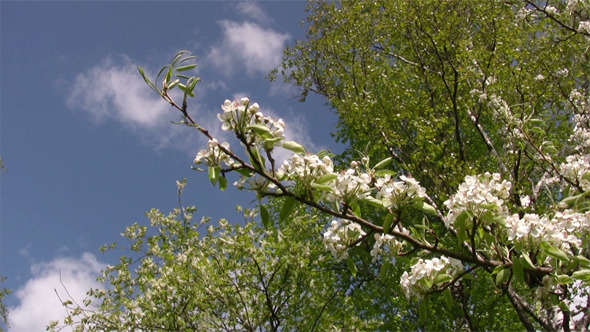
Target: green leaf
<point>322,187</point>
<point>373,202</point>
<point>502,276</point>
<point>260,129</point>
<point>147,81</point>
<point>526,261</point>
<point>583,275</point>
<point>265,216</point>
<point>169,75</point>
<point>356,209</point>
<point>245,172</point>
<point>295,147</point>
<point>257,160</point>
<point>222,183</point>
<point>326,178</point>
<point>564,279</point>
<point>518,271</point>
<point>442,278</point>
<point>351,266</point>
<point>584,262</point>
<point>384,271</point>
<point>424,207</point>
<point>383,163</point>
<point>173,84</point>
<point>214,174</point>
<point>423,311</point>
<point>574,199</point>
<point>448,298</point>
<point>563,306</point>
<point>325,153</point>
<point>384,172</point>
<point>288,207</point>
<point>185,68</point>
<point>554,252</point>
<point>271,142</point>
<point>538,130</point>
<point>387,222</point>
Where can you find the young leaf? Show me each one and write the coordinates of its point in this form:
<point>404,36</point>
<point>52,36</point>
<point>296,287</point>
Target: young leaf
<point>383,163</point>
<point>387,223</point>
<point>583,275</point>
<point>373,202</point>
<point>584,262</point>
<point>185,68</point>
<point>554,252</point>
<point>442,278</point>
<point>295,147</point>
<point>351,266</point>
<point>214,174</point>
<point>423,311</point>
<point>384,271</point>
<point>287,208</point>
<point>356,209</point>
<point>517,270</point>
<point>326,178</point>
<point>502,276</point>
<point>424,207</point>
<point>222,183</point>
<point>261,130</point>
<point>563,279</point>
<point>526,261</point>
<point>265,216</point>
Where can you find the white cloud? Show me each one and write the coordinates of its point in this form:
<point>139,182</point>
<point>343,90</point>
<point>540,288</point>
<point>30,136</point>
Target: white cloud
<point>111,90</point>
<point>247,45</point>
<point>39,304</point>
<point>114,90</point>
<point>253,11</point>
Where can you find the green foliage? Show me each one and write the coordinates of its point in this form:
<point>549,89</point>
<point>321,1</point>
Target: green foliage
<point>434,91</point>
<point>3,310</point>
<point>444,89</point>
<point>186,276</point>
<point>422,82</point>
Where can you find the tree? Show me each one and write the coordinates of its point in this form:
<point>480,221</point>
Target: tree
<point>3,310</point>
<point>490,98</point>
<point>199,276</point>
<point>451,88</point>
<point>3,291</point>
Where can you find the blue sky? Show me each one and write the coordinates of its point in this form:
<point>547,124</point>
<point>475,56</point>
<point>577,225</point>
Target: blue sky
<point>89,149</point>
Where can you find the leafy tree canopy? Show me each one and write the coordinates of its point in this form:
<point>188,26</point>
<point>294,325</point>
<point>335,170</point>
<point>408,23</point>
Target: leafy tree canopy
<point>462,202</point>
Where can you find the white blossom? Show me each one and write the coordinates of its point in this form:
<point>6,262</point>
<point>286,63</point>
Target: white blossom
<point>385,240</point>
<point>213,155</point>
<point>422,274</point>
<point>349,185</point>
<point>398,193</point>
<point>340,236</point>
<point>563,230</point>
<point>478,194</point>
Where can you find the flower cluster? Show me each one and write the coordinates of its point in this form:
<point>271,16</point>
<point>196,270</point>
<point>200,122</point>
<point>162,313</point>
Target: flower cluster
<point>562,230</point>
<point>424,272</point>
<point>213,155</point>
<point>388,240</point>
<point>340,236</point>
<point>349,185</point>
<point>577,167</point>
<point>398,193</point>
<point>238,115</point>
<point>478,195</point>
<point>307,168</point>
